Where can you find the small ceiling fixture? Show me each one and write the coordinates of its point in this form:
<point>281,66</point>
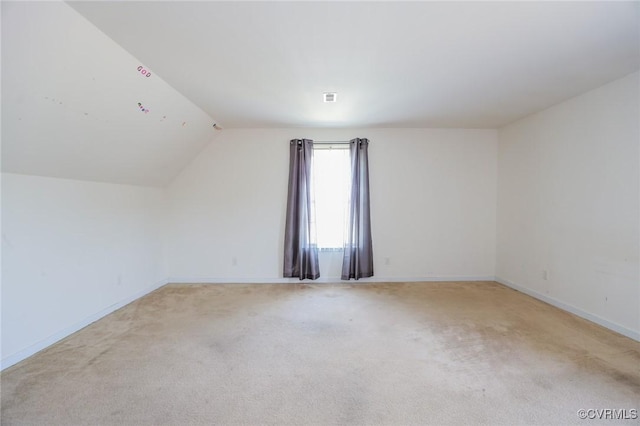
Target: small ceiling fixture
<point>330,96</point>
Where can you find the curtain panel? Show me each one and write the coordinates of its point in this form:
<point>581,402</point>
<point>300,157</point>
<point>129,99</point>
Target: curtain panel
<point>357,261</point>
<point>300,249</point>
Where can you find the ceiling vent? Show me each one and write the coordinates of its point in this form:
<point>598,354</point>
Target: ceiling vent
<point>330,96</point>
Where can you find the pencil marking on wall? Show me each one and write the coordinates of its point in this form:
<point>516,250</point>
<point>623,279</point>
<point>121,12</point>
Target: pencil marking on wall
<point>143,109</point>
<point>143,71</point>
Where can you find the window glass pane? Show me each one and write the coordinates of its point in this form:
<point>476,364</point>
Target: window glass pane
<point>331,178</point>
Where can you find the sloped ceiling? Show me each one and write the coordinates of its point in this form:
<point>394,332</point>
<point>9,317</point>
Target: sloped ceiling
<point>393,64</point>
<point>70,100</point>
<point>71,84</point>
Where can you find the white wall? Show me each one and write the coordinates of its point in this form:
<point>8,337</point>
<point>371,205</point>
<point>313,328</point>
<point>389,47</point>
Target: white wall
<point>72,252</point>
<point>433,195</point>
<point>568,204</point>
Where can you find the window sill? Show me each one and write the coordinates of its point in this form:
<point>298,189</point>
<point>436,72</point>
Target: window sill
<point>330,249</point>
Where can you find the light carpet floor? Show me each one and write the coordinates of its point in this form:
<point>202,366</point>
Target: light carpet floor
<point>361,354</point>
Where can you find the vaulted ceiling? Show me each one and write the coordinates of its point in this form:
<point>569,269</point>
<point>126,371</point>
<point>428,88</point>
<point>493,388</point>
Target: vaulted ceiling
<point>393,64</point>
<point>75,103</point>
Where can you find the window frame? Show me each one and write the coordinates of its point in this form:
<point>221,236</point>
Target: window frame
<point>346,179</point>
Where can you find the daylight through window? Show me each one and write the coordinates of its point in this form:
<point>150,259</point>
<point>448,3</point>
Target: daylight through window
<point>331,175</point>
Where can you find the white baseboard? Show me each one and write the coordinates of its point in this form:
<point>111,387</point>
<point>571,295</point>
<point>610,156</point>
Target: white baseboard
<point>31,350</point>
<point>572,309</point>
<point>218,280</point>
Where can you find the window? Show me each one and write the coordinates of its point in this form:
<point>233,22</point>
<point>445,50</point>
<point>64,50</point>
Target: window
<point>331,181</point>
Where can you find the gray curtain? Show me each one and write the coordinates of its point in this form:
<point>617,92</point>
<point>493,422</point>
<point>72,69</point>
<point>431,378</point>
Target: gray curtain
<point>300,250</point>
<point>358,248</point>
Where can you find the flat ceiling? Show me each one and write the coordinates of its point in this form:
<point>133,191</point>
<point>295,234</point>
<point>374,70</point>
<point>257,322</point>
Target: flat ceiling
<point>393,64</point>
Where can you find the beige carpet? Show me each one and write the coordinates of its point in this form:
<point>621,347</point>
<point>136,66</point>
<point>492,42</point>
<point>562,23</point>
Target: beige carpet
<point>365,354</point>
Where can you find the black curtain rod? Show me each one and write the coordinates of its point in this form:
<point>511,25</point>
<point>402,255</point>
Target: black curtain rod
<point>331,142</point>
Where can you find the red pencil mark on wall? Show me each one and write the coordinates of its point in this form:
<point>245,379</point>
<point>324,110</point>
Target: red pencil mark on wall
<point>143,109</point>
<point>144,72</point>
